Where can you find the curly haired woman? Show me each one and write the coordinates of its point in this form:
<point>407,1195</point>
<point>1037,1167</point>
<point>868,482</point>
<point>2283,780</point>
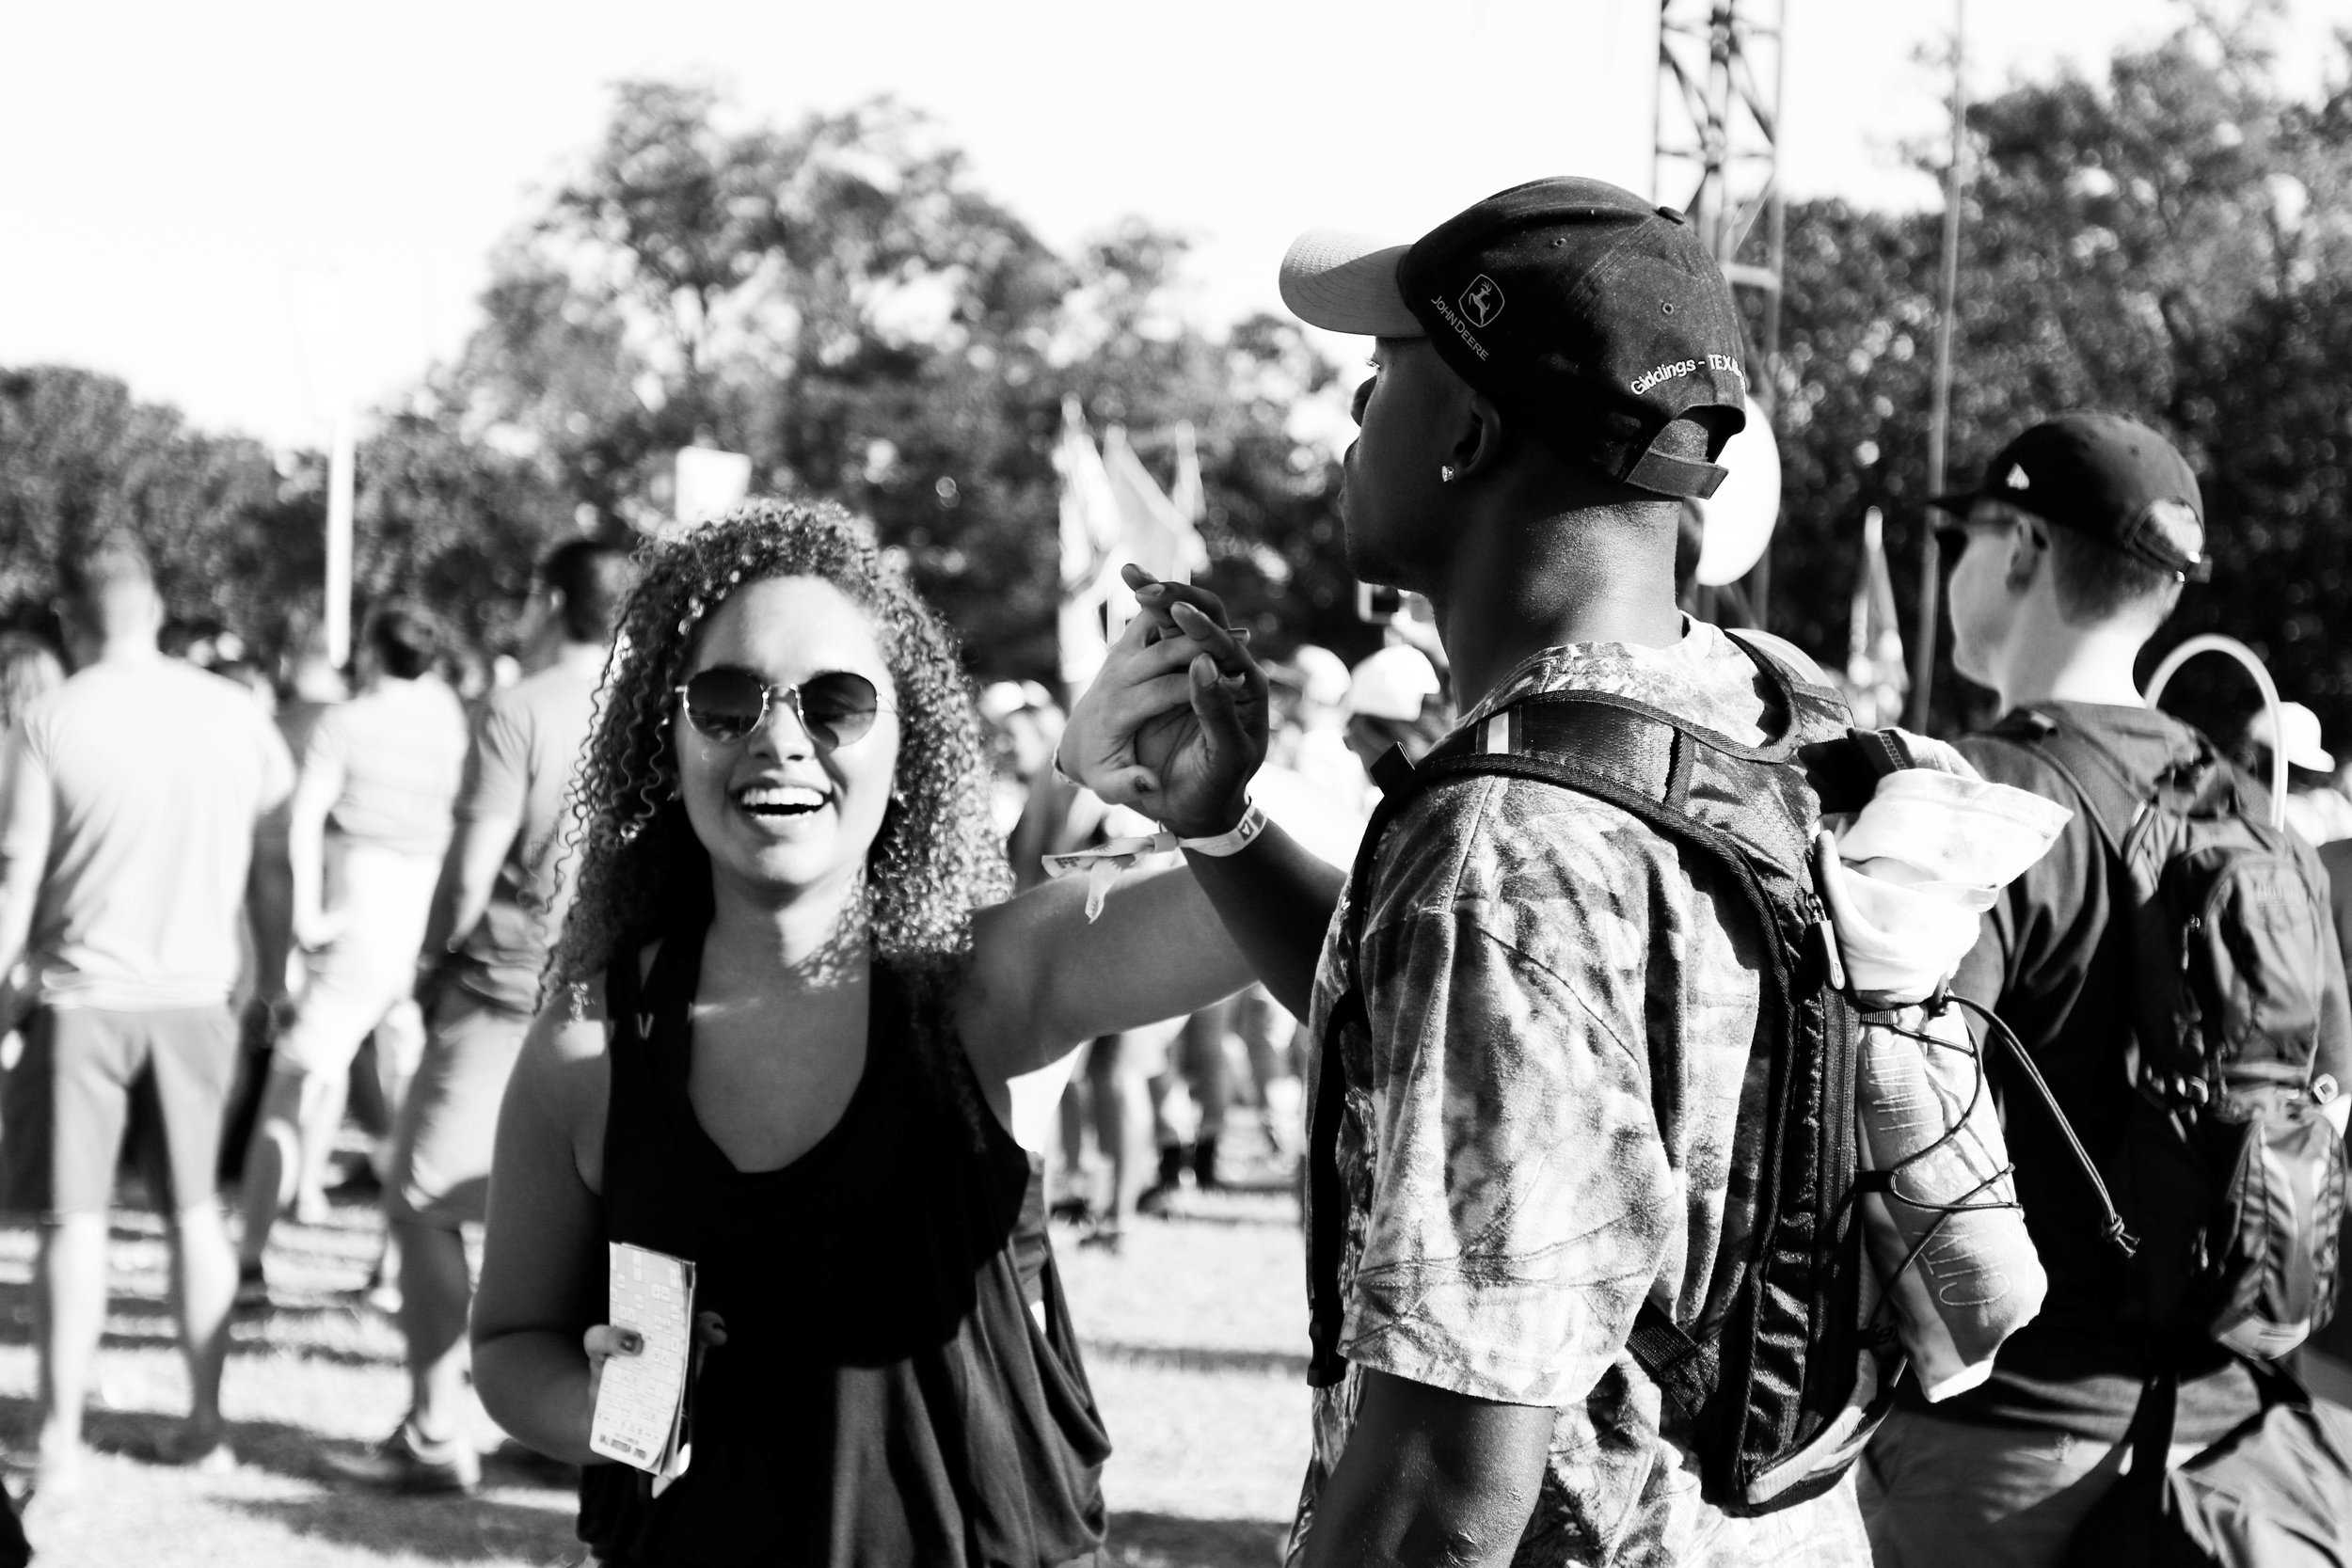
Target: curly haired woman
<point>781,1022</point>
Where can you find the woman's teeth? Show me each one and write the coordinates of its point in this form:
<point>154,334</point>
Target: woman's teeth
<point>779,800</point>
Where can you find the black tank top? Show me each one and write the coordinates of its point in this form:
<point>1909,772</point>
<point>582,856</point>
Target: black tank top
<point>884,1397</point>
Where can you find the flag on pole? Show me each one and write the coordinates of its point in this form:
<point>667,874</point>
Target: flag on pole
<point>1188,496</point>
<point>1090,548</point>
<point>1114,512</point>
<point>1876,679</point>
<point>1155,531</point>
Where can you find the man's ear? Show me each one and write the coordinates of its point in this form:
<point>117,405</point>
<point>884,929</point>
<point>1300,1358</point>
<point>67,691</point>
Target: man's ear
<point>2028,546</point>
<point>1478,435</point>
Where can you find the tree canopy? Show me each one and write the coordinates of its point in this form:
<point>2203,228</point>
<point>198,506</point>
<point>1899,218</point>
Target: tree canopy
<point>840,299</point>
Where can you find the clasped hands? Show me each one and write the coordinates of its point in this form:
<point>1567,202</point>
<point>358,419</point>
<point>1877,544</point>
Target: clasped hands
<point>1175,723</point>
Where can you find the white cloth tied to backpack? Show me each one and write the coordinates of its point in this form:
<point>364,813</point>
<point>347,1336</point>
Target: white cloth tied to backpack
<point>1912,875</point>
<point>1919,865</point>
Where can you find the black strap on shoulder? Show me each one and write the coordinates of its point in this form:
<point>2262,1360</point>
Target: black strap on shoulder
<point>2096,774</point>
<point>1392,770</point>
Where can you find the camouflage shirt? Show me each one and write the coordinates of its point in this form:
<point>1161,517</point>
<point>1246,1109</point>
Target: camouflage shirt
<point>1536,1125</point>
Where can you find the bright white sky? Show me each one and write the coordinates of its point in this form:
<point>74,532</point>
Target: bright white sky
<point>242,206</point>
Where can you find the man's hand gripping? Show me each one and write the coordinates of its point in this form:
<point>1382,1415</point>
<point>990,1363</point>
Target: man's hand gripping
<point>1175,723</point>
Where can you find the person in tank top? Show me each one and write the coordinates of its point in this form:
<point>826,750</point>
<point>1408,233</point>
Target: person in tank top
<point>777,1036</point>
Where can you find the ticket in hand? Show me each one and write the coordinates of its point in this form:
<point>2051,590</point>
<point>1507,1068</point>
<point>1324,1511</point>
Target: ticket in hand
<point>641,1417</point>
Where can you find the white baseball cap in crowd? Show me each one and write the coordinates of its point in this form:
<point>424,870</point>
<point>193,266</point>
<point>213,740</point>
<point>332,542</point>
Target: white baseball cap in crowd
<point>1001,700</point>
<point>1319,674</point>
<point>2299,727</point>
<point>1392,684</point>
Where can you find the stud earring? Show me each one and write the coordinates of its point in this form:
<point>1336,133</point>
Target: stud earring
<point>1445,473</point>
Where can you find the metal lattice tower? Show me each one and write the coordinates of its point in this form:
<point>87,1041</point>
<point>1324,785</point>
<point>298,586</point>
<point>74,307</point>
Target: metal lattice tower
<point>1716,157</point>
<point>1718,141</point>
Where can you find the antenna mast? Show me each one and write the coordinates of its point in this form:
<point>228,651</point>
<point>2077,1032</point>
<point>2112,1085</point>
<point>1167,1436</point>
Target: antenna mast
<point>1717,158</point>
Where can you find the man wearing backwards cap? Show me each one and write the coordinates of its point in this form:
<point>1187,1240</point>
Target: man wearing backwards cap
<point>1543,1081</point>
<point>2070,553</point>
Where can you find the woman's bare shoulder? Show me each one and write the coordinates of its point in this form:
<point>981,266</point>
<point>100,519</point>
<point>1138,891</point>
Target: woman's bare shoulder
<point>563,1065</point>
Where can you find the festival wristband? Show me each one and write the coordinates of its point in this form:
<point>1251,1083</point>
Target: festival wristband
<point>1102,865</point>
<point>1234,840</point>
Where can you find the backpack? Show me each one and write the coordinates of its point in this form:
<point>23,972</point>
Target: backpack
<point>2225,1169</point>
<point>1771,1367</point>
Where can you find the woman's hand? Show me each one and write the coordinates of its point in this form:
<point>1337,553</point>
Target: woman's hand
<point>602,1343</point>
<point>1175,723</point>
<point>606,1340</point>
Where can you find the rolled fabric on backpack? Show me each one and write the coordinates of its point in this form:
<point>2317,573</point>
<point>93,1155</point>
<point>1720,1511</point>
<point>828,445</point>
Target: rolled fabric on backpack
<point>1917,866</point>
<point>1905,882</point>
<point>1953,827</point>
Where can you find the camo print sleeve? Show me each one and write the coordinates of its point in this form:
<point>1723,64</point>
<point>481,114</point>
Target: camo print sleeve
<point>1521,1199</point>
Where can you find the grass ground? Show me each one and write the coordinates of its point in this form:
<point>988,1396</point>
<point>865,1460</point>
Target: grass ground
<point>1194,1336</point>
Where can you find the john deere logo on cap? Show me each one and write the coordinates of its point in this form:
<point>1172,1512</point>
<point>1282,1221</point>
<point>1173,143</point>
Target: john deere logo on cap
<point>1482,302</point>
<point>2017,480</point>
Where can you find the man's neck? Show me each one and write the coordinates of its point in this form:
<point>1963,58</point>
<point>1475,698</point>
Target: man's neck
<point>125,650</point>
<point>1514,591</point>
<point>2069,664</point>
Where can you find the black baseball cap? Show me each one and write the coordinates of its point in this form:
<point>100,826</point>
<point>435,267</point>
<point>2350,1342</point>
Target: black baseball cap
<point>2106,476</point>
<point>1571,300</point>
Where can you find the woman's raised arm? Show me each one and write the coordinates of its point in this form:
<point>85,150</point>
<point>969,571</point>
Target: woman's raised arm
<point>1045,978</point>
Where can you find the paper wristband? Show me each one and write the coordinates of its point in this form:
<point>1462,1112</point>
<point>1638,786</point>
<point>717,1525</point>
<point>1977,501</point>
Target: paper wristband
<point>1234,839</point>
<point>1102,865</point>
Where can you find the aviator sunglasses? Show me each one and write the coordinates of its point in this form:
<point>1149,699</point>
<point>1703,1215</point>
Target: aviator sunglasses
<point>727,703</point>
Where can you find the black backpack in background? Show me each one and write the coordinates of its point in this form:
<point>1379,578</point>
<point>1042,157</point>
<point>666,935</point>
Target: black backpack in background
<point>1770,1367</point>
<point>2227,1171</point>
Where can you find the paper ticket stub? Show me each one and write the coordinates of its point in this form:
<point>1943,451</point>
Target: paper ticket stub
<point>642,1397</point>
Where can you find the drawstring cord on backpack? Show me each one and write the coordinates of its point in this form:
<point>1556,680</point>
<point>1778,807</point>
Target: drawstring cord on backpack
<point>2116,1233</point>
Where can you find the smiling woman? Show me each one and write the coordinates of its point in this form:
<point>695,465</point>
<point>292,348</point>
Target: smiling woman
<point>779,1034</point>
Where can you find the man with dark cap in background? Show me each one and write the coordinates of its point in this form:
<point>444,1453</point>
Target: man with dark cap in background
<point>2070,553</point>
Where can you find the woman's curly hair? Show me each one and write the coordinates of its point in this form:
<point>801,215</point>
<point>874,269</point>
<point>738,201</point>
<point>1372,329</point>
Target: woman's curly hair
<point>641,872</point>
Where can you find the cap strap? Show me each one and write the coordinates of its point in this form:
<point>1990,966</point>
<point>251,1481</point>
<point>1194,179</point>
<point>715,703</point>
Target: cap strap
<point>1674,476</point>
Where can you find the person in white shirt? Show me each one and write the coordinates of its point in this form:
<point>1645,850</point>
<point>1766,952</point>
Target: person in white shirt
<point>145,812</point>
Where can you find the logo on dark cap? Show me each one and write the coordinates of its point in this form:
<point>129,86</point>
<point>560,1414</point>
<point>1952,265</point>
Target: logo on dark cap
<point>2174,524</point>
<point>1482,302</point>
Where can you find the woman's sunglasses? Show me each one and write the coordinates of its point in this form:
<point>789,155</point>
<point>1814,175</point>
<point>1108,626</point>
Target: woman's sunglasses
<point>727,703</point>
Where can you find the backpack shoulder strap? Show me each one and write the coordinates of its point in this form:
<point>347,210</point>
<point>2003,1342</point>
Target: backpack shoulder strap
<point>1792,660</point>
<point>2092,770</point>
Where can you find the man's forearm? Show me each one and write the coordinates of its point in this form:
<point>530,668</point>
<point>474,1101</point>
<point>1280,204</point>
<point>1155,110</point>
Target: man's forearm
<point>1276,900</point>
<point>1429,1478</point>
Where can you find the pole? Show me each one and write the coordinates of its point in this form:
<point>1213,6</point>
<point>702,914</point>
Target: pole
<point>1776,258</point>
<point>341,475</point>
<point>1940,408</point>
